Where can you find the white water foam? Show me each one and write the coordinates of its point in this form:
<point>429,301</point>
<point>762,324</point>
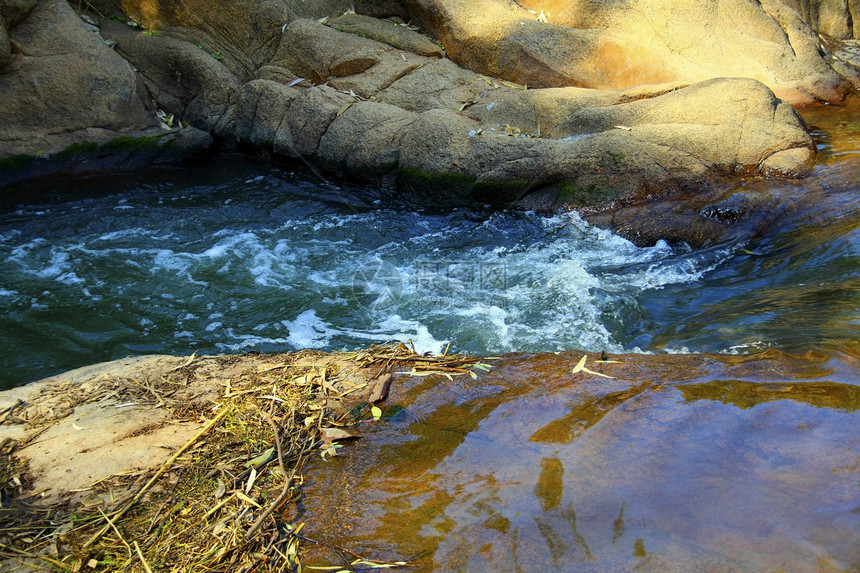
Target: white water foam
<point>496,283</point>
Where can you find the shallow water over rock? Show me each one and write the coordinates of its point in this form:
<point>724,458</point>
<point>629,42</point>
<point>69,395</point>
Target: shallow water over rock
<point>676,464</point>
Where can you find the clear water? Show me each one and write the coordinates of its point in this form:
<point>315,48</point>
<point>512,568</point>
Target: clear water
<point>240,256</point>
<point>679,463</point>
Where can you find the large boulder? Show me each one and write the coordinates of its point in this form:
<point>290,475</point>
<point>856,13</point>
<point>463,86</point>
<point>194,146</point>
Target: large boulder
<point>839,19</point>
<point>399,35</point>
<point>62,80</point>
<point>346,97</point>
<point>249,34</point>
<point>593,147</point>
<point>12,13</point>
<point>185,79</point>
<point>70,103</point>
<point>371,98</point>
<point>614,45</point>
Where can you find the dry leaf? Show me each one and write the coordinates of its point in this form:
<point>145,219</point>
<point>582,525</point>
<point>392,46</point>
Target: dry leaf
<point>513,85</point>
<point>580,367</point>
<point>345,107</point>
<point>247,499</point>
<point>597,373</point>
<point>221,490</point>
<point>332,434</point>
<point>251,479</point>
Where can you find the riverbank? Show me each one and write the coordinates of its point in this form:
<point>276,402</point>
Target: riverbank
<point>210,449</point>
<point>428,113</point>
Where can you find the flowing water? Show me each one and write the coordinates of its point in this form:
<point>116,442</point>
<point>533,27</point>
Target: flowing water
<point>241,256</point>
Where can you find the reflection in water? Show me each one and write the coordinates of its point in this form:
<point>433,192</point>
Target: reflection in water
<point>680,463</point>
<point>583,414</point>
<point>749,394</point>
<point>550,485</point>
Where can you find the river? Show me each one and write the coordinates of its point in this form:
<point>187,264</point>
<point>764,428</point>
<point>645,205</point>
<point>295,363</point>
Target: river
<point>241,256</point>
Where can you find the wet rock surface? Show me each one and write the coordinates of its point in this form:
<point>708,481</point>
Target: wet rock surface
<point>727,463</point>
<point>555,461</point>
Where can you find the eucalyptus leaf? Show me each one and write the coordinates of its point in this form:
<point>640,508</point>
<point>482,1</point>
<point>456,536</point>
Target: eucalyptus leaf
<point>260,459</point>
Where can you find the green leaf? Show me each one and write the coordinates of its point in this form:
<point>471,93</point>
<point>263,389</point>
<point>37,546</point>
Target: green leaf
<point>260,459</point>
<point>392,411</point>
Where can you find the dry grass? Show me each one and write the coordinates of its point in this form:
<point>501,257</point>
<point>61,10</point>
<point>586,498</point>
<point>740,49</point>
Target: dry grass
<point>228,500</point>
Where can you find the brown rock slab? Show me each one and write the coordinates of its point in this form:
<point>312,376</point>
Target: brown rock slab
<point>621,44</point>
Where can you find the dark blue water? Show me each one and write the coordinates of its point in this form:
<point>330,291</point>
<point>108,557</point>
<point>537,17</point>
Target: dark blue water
<point>240,256</point>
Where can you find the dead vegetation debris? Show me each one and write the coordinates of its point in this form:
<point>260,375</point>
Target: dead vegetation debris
<point>230,498</point>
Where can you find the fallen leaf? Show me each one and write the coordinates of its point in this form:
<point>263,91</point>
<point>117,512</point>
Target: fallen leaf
<point>247,499</point>
<point>251,479</point>
<point>332,434</point>
<point>345,107</point>
<point>380,388</point>
<point>597,373</point>
<point>513,85</point>
<point>260,459</point>
<point>221,489</point>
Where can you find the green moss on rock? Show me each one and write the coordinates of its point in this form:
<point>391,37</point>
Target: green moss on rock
<point>74,150</point>
<point>441,188</point>
<point>16,162</point>
<point>591,194</point>
<point>126,143</point>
